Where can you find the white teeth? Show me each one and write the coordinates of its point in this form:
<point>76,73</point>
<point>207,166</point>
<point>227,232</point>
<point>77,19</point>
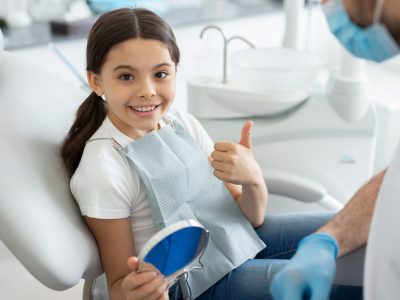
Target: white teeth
<point>144,108</point>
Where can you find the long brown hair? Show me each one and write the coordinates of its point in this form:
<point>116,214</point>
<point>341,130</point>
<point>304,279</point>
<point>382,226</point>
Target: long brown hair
<point>110,29</point>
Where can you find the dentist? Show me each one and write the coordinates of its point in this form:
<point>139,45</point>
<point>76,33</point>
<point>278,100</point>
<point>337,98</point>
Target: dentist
<point>368,29</point>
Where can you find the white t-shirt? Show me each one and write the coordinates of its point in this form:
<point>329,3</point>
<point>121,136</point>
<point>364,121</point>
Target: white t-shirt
<point>105,187</point>
<point>382,265</point>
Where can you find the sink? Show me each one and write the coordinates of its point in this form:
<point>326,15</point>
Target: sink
<point>274,69</point>
<point>208,98</point>
<point>264,82</point>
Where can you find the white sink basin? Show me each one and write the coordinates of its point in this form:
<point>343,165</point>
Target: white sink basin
<point>274,69</point>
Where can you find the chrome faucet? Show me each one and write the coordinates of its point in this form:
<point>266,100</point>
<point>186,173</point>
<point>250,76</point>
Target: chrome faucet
<point>225,46</point>
<point>238,37</point>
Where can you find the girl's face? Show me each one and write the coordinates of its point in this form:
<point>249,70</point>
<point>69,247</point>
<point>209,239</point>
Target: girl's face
<point>138,81</point>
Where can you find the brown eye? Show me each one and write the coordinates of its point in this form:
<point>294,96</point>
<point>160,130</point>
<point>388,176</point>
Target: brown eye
<point>126,77</point>
<point>161,75</point>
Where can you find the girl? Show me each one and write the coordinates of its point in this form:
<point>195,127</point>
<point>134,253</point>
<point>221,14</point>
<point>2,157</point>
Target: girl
<point>136,168</point>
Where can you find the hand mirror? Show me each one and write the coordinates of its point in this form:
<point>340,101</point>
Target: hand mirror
<point>176,249</point>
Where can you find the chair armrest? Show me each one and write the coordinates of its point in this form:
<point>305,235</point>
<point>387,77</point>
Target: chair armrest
<point>299,188</point>
<point>48,237</point>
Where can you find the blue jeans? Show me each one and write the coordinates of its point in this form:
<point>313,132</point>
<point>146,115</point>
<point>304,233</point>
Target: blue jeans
<point>251,280</point>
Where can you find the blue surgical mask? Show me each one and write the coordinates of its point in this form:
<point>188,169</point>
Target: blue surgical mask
<point>373,43</point>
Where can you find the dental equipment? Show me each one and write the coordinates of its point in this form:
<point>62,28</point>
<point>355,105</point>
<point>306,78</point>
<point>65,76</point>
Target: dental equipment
<point>347,89</point>
<point>293,36</point>
<point>225,46</point>
<point>305,133</point>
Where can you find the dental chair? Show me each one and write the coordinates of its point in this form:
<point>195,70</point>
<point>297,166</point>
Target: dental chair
<point>39,220</point>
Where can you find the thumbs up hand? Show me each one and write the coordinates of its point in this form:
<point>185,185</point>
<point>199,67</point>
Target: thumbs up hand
<point>234,162</point>
<point>245,138</point>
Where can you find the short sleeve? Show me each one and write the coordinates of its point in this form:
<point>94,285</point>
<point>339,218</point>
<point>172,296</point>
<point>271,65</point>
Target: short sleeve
<point>103,185</point>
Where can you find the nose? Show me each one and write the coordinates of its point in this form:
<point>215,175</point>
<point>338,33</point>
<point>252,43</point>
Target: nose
<point>146,89</point>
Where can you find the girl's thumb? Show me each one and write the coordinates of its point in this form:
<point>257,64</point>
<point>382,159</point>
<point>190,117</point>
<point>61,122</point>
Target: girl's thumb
<point>245,138</point>
<point>133,263</point>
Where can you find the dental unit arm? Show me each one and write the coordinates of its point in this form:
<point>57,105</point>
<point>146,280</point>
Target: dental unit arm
<point>293,36</point>
<point>347,89</point>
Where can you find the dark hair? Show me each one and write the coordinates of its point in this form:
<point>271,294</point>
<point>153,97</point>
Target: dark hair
<point>110,29</point>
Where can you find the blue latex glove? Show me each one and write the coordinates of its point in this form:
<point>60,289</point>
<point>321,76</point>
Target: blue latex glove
<point>309,272</point>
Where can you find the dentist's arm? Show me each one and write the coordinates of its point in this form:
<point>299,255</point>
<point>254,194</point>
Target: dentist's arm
<point>234,164</point>
<point>351,225</point>
<point>313,266</point>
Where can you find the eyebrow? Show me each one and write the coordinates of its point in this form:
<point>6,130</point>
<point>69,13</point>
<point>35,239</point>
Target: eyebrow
<point>164,64</point>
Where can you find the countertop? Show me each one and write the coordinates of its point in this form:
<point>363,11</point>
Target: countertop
<point>44,33</point>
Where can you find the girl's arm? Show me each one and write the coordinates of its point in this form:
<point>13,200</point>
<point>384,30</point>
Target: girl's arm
<point>252,201</point>
<point>115,242</point>
<point>234,163</point>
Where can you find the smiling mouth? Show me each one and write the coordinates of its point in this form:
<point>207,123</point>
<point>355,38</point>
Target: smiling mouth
<point>144,108</point>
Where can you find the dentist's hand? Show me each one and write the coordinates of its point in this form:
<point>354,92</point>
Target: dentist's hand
<point>234,162</point>
<point>309,272</point>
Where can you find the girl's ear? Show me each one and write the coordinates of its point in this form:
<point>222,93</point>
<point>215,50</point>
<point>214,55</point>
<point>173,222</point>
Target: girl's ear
<point>94,83</point>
